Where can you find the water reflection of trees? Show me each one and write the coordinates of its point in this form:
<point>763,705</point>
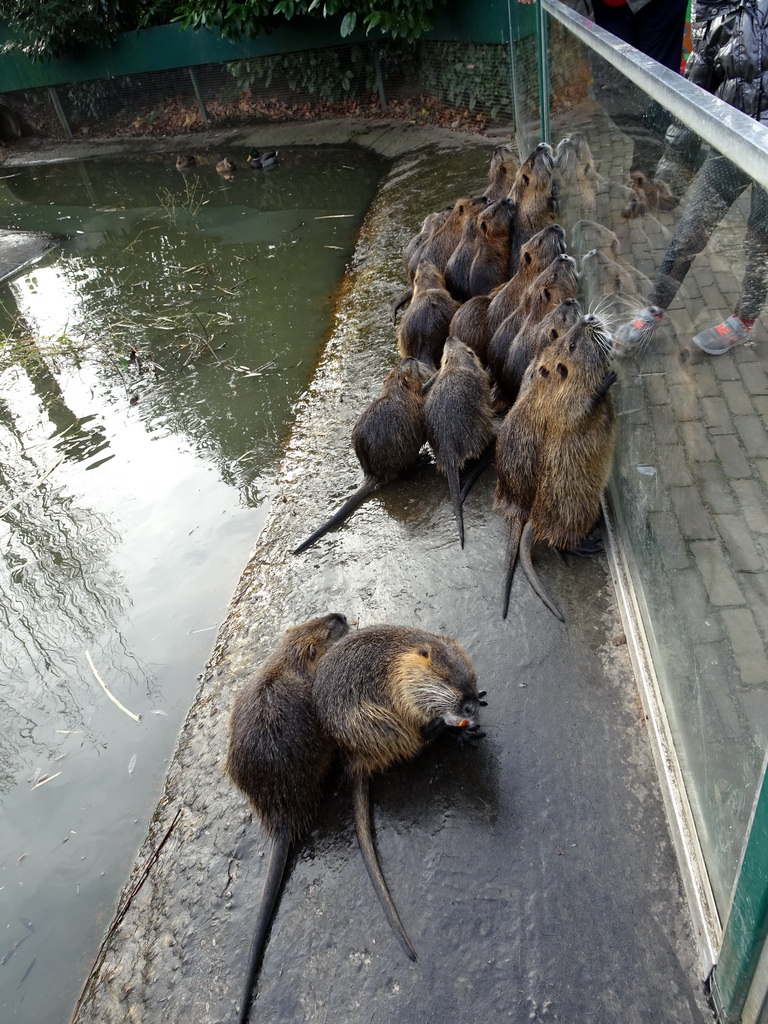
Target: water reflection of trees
<point>59,592</point>
<point>251,270</point>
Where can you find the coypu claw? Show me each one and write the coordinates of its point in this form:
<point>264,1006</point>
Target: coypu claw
<point>480,701</point>
<point>432,729</point>
<point>470,735</point>
<point>589,546</point>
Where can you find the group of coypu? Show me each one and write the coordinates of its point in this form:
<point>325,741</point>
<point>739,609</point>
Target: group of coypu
<point>368,699</point>
<point>493,330</point>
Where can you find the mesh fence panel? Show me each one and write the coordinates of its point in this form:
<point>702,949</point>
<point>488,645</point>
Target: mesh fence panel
<point>442,82</point>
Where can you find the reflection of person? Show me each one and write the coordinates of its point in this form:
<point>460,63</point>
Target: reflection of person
<point>728,60</point>
<point>656,28</point>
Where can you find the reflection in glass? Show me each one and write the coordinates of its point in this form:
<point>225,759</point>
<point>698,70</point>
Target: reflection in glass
<point>691,464</point>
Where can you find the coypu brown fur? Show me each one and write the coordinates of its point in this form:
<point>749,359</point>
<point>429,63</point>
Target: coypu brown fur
<point>530,341</point>
<point>439,245</point>
<point>554,450</point>
<point>431,223</point>
<point>490,265</point>
<point>502,172</point>
<point>477,319</point>
<point>387,692</point>
<point>480,262</point>
<point>558,282</point>
<point>534,200</point>
<point>459,417</point>
<point>424,326</point>
<point>387,437</point>
<point>279,756</point>
<point>460,261</point>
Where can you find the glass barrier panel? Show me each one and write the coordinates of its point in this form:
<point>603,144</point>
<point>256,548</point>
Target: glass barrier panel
<point>639,195</point>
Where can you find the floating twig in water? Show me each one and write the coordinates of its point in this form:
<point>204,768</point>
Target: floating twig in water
<point>44,779</point>
<point>32,487</point>
<point>103,685</point>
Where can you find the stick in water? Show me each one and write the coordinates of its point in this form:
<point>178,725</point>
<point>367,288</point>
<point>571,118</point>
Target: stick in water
<point>103,685</point>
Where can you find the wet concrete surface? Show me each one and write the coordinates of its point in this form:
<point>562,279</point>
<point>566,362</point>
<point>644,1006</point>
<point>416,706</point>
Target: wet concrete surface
<point>535,875</point>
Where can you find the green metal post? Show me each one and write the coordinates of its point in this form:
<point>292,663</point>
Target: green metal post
<point>747,926</point>
<point>60,111</point>
<point>542,39</point>
<point>379,78</point>
<point>198,96</point>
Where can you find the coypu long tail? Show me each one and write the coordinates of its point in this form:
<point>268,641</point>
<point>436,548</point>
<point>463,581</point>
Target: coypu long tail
<point>478,469</point>
<point>278,858</point>
<point>454,486</point>
<point>365,490</point>
<point>362,804</point>
<point>526,543</point>
<point>513,548</point>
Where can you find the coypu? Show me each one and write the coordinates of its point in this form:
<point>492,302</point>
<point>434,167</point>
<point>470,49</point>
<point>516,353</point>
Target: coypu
<point>382,693</point>
<point>530,341</point>
<point>478,318</point>
<point>480,262</point>
<point>387,438</point>
<point>558,282</point>
<point>279,757</point>
<point>502,172</point>
<point>459,416</point>
<point>554,450</point>
<point>431,223</point>
<point>490,266</point>
<point>439,245</point>
<point>460,262</point>
<point>534,200</point>
<point>424,326</point>
<point>574,178</point>
<point>649,195</point>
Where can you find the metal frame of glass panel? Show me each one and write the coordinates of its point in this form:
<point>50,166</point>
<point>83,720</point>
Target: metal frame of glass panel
<point>739,978</point>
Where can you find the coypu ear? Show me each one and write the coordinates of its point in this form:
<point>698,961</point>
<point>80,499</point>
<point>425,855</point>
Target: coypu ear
<point>562,369</point>
<point>546,293</point>
<point>526,180</point>
<point>543,371</point>
<point>311,652</point>
<point>527,258</point>
<point>423,652</point>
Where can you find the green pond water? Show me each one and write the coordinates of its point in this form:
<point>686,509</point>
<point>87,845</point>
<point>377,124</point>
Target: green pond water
<point>150,364</point>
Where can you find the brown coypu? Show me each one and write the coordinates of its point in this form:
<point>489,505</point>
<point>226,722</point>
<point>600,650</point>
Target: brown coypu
<point>490,266</point>
<point>480,262</point>
<point>387,438</point>
<point>386,692</point>
<point>459,264</point>
<point>575,178</point>
<point>530,341</point>
<point>439,245</point>
<point>534,200</point>
<point>424,326</point>
<point>502,172</point>
<point>558,282</point>
<point>554,450</point>
<point>279,757</point>
<point>478,318</point>
<point>459,417</point>
<point>649,195</point>
<point>431,223</point>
